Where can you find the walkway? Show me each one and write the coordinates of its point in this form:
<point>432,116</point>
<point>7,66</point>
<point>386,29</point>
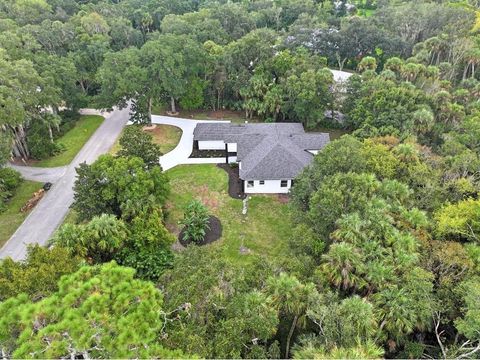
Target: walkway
<point>44,219</point>
<point>181,153</point>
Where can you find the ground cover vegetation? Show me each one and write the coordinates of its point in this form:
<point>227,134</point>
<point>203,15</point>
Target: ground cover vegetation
<point>376,252</point>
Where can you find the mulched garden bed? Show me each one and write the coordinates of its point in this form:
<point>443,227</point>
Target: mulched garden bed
<point>207,154</point>
<point>235,185</point>
<point>213,234</point>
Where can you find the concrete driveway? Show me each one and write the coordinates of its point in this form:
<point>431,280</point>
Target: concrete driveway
<point>182,151</point>
<point>49,213</point>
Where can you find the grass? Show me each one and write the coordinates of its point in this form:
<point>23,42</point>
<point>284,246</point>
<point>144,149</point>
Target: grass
<point>12,217</point>
<point>265,229</point>
<point>166,136</point>
<point>71,217</point>
<point>73,141</point>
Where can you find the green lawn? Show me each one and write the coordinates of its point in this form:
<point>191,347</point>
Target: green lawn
<point>73,140</point>
<point>11,218</point>
<point>265,229</point>
<point>166,136</point>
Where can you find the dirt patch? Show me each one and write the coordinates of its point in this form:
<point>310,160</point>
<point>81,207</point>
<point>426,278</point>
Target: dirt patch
<point>213,233</point>
<point>166,136</point>
<point>235,184</point>
<point>283,198</point>
<point>208,114</point>
<point>149,128</point>
<point>206,197</point>
<point>23,162</point>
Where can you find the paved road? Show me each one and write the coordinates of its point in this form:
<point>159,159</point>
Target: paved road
<point>44,219</point>
<point>40,174</point>
<point>181,153</point>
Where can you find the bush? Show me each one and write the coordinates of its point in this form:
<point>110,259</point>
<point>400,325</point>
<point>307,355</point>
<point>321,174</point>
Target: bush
<point>10,179</point>
<point>195,222</point>
<point>149,264</point>
<point>9,182</point>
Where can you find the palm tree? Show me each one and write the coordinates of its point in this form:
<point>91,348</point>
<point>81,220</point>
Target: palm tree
<point>292,298</point>
<point>343,266</point>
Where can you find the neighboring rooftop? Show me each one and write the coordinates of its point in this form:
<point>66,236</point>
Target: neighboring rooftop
<point>267,151</point>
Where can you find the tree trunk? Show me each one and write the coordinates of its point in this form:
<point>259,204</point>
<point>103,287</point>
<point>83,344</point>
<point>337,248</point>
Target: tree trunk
<point>150,109</point>
<point>172,104</point>
<point>290,334</point>
<point>50,133</point>
<point>20,147</point>
<point>465,71</point>
<point>55,112</point>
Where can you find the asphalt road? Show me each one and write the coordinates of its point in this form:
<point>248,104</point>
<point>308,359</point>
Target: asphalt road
<point>40,174</point>
<point>49,213</point>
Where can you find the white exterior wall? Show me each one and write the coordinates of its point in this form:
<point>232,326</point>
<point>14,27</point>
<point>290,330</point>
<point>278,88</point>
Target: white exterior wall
<point>211,145</point>
<point>221,160</point>
<point>270,187</point>
<point>232,159</point>
<point>314,152</point>
<point>232,147</point>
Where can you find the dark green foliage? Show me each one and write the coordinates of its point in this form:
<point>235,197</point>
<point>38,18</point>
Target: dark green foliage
<point>40,143</point>
<point>98,240</point>
<point>136,142</point>
<point>9,181</point>
<point>147,248</point>
<point>69,118</point>
<point>386,233</point>
<point>5,148</point>
<point>195,222</point>
<point>118,186</point>
<point>224,311</point>
<point>149,263</point>
<point>143,243</point>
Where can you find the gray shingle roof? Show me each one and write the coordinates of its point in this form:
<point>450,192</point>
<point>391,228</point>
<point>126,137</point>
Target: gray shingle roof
<point>267,151</point>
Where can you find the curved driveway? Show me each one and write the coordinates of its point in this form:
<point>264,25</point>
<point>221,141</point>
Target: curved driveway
<point>49,213</point>
<point>40,174</point>
<point>181,153</point>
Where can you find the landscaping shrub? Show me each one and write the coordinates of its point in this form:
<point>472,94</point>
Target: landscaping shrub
<point>195,222</point>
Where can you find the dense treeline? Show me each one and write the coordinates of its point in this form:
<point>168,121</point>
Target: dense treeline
<point>211,54</point>
<point>385,257</point>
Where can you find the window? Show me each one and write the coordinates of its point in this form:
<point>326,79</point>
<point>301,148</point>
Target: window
<point>250,183</point>
<point>283,183</point>
<point>262,182</point>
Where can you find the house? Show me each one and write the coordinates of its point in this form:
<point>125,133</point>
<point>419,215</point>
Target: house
<point>269,155</point>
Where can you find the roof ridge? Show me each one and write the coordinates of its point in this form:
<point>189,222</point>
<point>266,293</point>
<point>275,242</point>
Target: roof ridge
<point>294,153</point>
